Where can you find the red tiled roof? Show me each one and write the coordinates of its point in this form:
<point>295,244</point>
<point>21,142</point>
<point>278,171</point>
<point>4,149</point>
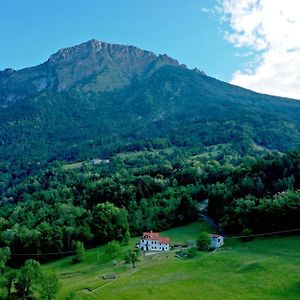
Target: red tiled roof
<point>154,236</point>
<point>164,240</point>
<point>151,235</point>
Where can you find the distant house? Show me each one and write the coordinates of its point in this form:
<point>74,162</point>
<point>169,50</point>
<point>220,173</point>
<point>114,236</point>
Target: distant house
<point>216,241</point>
<point>98,161</point>
<point>151,241</point>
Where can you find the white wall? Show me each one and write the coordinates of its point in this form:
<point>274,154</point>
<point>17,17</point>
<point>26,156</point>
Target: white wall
<point>217,242</point>
<point>153,245</point>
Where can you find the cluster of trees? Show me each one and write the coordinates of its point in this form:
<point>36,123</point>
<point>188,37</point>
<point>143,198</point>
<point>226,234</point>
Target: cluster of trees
<point>59,207</point>
<point>57,227</point>
<point>26,282</point>
<point>262,195</point>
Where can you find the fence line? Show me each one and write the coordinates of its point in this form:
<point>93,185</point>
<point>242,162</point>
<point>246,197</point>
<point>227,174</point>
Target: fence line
<point>41,254</point>
<point>263,234</point>
<point>226,237</point>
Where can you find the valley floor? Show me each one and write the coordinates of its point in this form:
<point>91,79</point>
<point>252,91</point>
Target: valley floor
<point>267,268</point>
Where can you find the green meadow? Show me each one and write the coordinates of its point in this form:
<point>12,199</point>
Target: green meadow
<point>265,268</point>
<point>72,166</point>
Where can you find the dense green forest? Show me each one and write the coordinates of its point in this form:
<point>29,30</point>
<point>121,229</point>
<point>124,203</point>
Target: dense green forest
<point>149,189</point>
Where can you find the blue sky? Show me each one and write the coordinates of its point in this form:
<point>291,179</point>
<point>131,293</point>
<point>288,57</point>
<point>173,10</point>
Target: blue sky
<point>31,30</point>
<point>251,43</point>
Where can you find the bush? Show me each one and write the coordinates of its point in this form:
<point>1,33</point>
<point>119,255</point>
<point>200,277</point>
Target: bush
<point>203,241</point>
<point>192,252</point>
<point>79,253</point>
<point>112,249</point>
<point>49,285</point>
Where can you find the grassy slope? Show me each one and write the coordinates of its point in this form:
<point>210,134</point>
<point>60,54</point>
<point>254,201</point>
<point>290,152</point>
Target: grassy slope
<point>260,269</point>
<point>72,166</point>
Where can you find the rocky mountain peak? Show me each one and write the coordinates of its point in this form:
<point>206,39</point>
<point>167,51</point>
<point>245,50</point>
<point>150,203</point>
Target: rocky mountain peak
<point>100,49</point>
<point>106,66</point>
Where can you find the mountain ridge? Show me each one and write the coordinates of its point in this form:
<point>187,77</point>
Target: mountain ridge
<point>98,98</point>
<point>70,65</point>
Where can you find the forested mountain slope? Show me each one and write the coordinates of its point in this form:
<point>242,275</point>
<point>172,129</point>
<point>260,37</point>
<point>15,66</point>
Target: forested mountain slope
<point>98,98</point>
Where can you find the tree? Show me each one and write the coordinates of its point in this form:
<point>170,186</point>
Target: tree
<point>4,257</point>
<point>109,222</point>
<point>49,284</point>
<point>112,249</point>
<point>203,241</point>
<point>187,209</point>
<point>6,275</point>
<point>10,276</point>
<point>27,278</point>
<point>133,256</point>
<point>79,253</point>
<point>220,195</point>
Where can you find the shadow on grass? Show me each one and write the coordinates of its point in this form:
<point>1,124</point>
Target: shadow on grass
<point>252,266</point>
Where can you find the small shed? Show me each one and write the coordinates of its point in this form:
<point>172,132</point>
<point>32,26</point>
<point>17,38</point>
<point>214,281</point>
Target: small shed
<point>216,241</point>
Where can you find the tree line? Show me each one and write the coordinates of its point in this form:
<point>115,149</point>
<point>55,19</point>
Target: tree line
<point>57,207</point>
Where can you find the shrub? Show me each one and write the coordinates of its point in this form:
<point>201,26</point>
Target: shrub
<point>112,249</point>
<point>79,253</point>
<point>192,252</point>
<point>203,241</point>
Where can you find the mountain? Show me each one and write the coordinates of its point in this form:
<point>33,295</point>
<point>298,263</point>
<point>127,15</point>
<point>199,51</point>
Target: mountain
<point>98,98</point>
<point>111,66</point>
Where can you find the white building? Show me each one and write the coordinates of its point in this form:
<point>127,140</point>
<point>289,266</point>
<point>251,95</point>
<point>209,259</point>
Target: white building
<point>98,161</point>
<point>216,241</point>
<point>151,241</point>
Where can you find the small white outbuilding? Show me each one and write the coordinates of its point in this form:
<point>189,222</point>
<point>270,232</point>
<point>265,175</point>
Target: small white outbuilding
<point>216,241</point>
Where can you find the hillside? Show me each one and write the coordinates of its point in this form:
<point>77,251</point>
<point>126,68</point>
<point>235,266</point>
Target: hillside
<point>98,99</point>
<point>267,268</point>
<point>151,189</point>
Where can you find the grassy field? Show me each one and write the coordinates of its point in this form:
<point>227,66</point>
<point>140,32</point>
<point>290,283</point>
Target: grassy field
<point>266,268</point>
<point>72,166</point>
<point>137,154</point>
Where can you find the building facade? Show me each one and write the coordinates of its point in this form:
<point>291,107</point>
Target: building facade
<point>151,241</point>
<point>216,241</point>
